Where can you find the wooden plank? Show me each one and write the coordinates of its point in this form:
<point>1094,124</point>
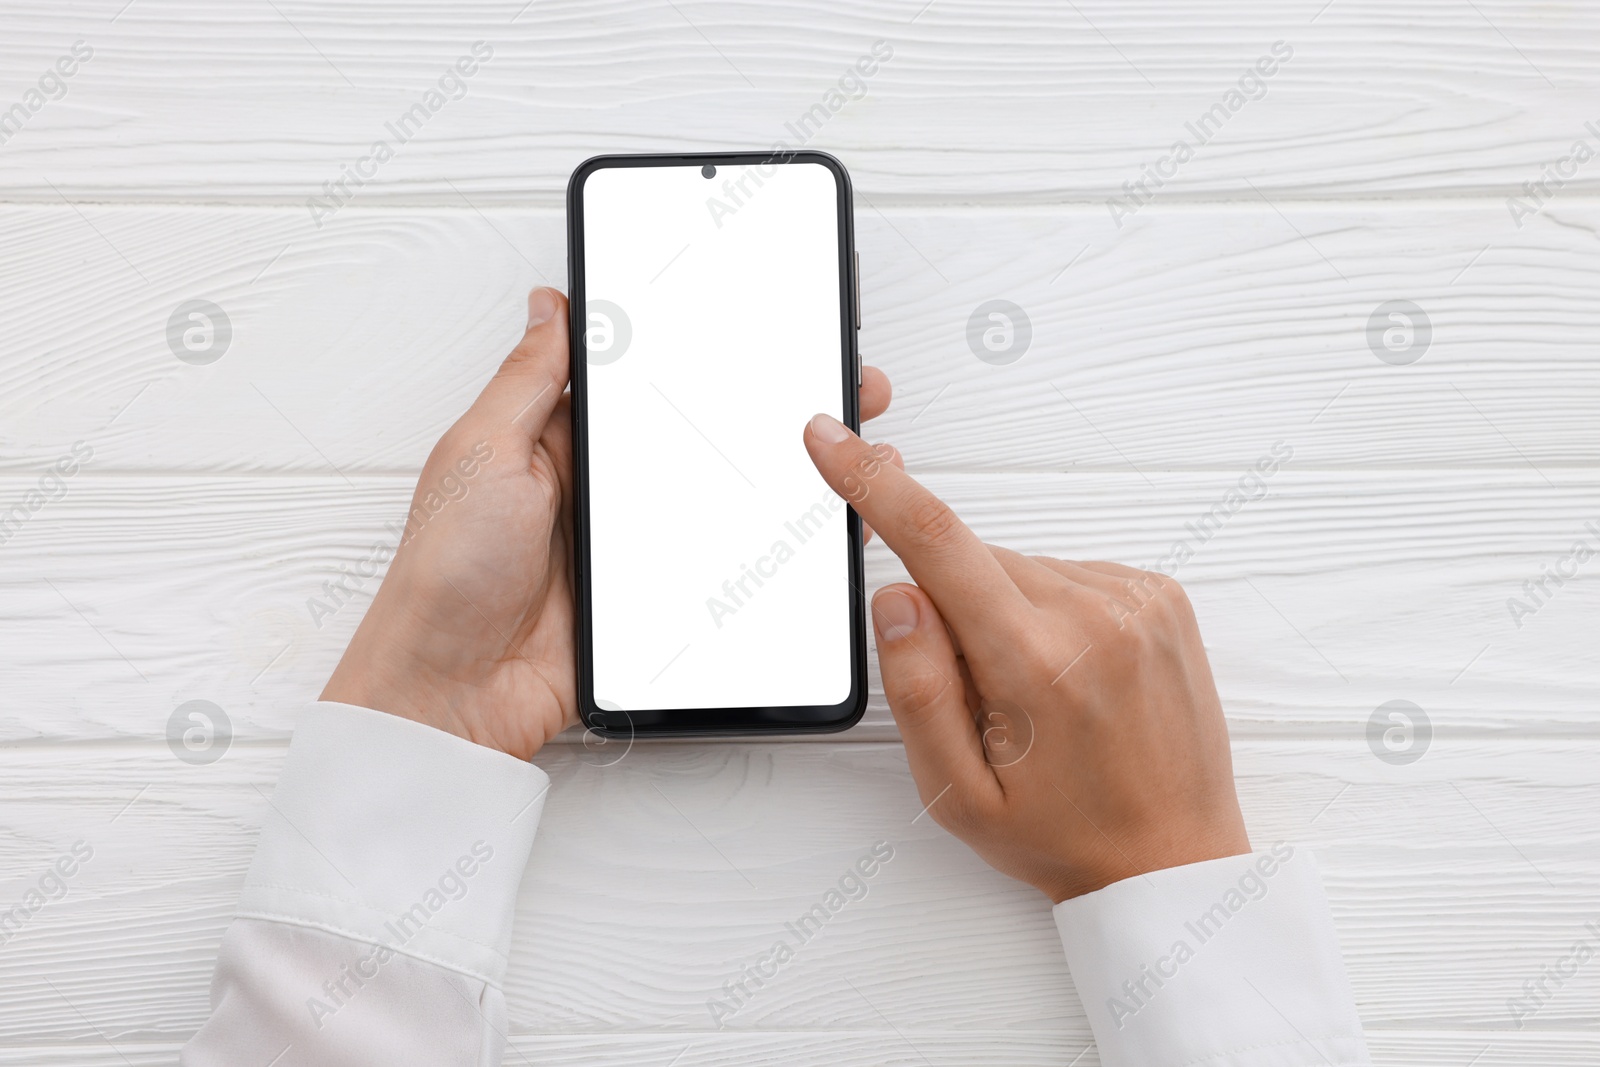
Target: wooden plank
<point>1337,592</point>
<point>1007,1048</point>
<point>1452,880</point>
<point>1198,339</point>
<point>1169,353</point>
<point>979,101</point>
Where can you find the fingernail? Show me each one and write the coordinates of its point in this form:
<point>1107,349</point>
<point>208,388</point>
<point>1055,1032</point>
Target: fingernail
<point>895,615</point>
<point>827,429</point>
<point>541,307</point>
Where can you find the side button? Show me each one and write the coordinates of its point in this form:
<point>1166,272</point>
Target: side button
<point>858,296</point>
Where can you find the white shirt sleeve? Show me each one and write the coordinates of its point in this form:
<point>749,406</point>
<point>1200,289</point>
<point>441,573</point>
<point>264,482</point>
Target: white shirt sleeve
<point>1227,963</point>
<point>375,923</point>
<point>375,920</point>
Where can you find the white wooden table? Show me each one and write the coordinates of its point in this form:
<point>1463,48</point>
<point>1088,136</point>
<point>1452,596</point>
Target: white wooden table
<point>1227,315</point>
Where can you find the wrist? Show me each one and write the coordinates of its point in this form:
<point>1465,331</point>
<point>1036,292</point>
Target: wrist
<point>476,700</point>
<point>385,667</point>
<point>1198,844</point>
<point>390,673</point>
<point>404,696</point>
<point>431,673</point>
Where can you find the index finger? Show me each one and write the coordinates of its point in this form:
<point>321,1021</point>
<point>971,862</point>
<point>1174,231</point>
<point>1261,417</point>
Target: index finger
<point>947,560</point>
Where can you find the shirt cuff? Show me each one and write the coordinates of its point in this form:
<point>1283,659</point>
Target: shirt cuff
<point>1228,962</point>
<point>399,835</point>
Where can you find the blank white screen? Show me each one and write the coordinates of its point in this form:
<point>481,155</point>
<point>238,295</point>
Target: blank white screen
<point>719,558</point>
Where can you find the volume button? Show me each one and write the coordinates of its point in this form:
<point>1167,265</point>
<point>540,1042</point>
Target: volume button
<point>858,296</point>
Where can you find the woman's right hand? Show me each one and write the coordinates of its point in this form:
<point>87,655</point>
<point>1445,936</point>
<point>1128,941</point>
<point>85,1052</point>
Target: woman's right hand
<point>1059,717</point>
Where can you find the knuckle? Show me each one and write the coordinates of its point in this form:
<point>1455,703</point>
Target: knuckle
<point>930,522</point>
<point>527,350</point>
<point>535,351</point>
<point>1169,608</point>
<point>1153,583</point>
<point>916,699</point>
<point>1118,627</point>
<point>1037,649</point>
<point>1145,603</point>
<point>1178,597</point>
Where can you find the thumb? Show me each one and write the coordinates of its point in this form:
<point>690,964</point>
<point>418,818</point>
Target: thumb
<point>928,697</point>
<point>533,377</point>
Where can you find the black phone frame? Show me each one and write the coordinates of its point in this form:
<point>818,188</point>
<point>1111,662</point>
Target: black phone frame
<point>678,722</point>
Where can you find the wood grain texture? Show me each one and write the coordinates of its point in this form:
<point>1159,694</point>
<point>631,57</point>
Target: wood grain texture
<point>634,912</point>
<point>1168,354</point>
<point>1332,594</point>
<point>1195,339</point>
<point>909,1047</point>
<point>982,100</point>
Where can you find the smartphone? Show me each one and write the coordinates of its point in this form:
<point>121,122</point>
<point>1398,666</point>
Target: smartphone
<point>714,311</point>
